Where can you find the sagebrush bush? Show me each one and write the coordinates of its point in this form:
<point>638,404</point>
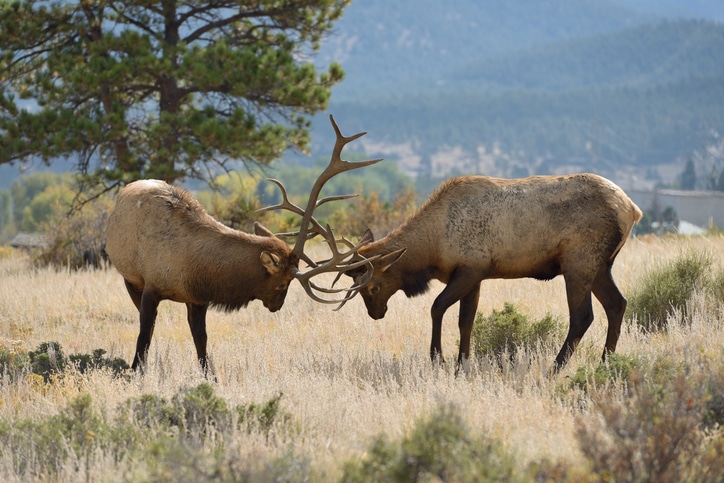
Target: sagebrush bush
<point>370,211</point>
<point>655,435</point>
<point>262,417</point>
<point>505,331</point>
<point>202,409</point>
<point>668,288</point>
<point>616,368</point>
<point>50,443</point>
<point>49,360</point>
<point>713,386</point>
<point>715,285</point>
<point>76,239</point>
<point>440,447</point>
<point>13,359</point>
<point>148,425</point>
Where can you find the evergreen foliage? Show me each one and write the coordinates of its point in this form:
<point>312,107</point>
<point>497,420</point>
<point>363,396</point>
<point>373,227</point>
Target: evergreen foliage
<point>164,90</point>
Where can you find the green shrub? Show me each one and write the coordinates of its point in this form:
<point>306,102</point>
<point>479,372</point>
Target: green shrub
<point>503,332</point>
<point>202,408</point>
<point>440,447</point>
<point>49,443</point>
<point>667,288</point>
<point>616,368</point>
<point>263,417</point>
<point>162,433</point>
<point>86,362</point>
<point>192,410</point>
<point>714,400</point>
<point>715,286</point>
<point>151,412</point>
<point>13,359</point>
<point>48,359</point>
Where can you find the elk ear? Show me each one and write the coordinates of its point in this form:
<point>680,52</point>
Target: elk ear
<point>385,262</point>
<point>271,262</point>
<point>367,237</point>
<point>261,230</point>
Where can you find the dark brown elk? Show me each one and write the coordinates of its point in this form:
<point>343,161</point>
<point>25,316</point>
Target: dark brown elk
<point>474,228</point>
<point>167,247</point>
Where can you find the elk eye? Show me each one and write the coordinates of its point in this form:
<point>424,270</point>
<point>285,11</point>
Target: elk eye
<point>282,286</point>
<point>374,290</point>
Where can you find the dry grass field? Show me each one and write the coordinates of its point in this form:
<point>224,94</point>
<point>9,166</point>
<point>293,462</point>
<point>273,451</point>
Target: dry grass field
<point>344,378</point>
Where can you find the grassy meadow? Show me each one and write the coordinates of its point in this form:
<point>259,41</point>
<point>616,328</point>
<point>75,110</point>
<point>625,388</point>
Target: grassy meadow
<point>343,381</point>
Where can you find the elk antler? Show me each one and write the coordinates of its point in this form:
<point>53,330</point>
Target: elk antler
<point>310,227</point>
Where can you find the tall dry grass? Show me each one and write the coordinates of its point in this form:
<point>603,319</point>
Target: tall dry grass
<point>345,378</point>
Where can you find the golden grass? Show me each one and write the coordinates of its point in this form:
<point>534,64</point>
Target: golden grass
<point>345,377</point>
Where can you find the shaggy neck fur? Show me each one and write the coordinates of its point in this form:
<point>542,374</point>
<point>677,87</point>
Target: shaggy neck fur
<point>419,264</point>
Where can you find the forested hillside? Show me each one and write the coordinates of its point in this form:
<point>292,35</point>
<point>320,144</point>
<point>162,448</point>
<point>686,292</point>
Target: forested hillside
<point>394,47</point>
<point>600,129</point>
<point>650,54</point>
<point>518,88</point>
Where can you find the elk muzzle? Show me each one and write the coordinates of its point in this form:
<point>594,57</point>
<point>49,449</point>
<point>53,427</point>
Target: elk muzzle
<point>375,309</point>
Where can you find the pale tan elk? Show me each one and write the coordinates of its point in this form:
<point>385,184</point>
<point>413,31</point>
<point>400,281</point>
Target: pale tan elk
<point>476,227</point>
<point>167,247</point>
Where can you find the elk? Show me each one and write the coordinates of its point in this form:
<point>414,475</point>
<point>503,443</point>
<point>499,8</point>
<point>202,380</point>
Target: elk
<point>166,247</point>
<point>474,228</point>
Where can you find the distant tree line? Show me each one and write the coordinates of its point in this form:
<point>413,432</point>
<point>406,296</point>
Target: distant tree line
<point>602,128</point>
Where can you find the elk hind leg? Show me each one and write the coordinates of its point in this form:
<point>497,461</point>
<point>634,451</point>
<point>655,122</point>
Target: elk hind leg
<point>196,316</point>
<point>578,292</point>
<point>148,309</point>
<point>613,302</point>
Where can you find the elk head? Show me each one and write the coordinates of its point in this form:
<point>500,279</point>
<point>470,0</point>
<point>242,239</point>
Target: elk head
<point>379,277</point>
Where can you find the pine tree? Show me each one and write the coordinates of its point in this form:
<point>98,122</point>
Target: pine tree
<point>688,176</point>
<point>160,89</point>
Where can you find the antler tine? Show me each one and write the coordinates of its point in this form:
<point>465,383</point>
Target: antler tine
<point>340,261</point>
<point>336,264</point>
<point>351,291</point>
<point>334,198</point>
<point>285,204</point>
<point>336,166</point>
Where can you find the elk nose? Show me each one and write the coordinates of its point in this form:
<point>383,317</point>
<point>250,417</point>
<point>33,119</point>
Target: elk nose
<point>273,307</point>
<point>378,314</point>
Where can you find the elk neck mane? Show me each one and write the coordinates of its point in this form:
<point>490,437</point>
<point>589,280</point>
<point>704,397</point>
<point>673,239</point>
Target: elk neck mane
<point>433,202</point>
<point>185,206</point>
<point>419,235</point>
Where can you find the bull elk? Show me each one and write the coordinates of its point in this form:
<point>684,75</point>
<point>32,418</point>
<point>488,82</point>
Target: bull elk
<point>167,247</point>
<point>474,228</point>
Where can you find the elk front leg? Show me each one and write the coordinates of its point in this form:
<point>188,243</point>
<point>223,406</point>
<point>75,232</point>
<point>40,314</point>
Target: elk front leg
<point>148,311</point>
<point>134,293</point>
<point>196,315</point>
<point>461,283</point>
